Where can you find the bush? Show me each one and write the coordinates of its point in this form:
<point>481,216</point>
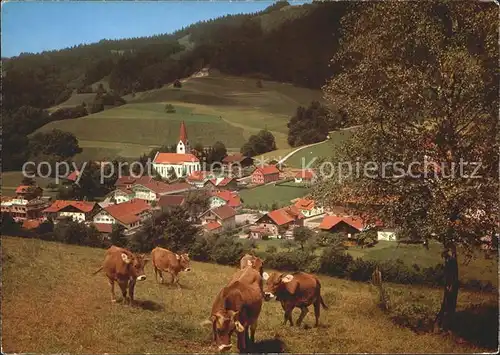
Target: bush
<point>67,113</point>
<point>334,262</point>
<point>292,261</point>
<point>169,108</point>
<point>271,249</point>
<point>226,250</point>
<point>361,270</point>
<point>177,83</point>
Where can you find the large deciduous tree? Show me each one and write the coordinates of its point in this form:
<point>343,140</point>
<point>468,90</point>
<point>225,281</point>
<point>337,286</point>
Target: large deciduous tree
<point>423,82</point>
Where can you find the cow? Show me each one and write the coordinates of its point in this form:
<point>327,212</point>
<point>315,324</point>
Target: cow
<point>254,262</point>
<point>237,307</point>
<point>164,260</point>
<point>124,267</point>
<point>296,290</point>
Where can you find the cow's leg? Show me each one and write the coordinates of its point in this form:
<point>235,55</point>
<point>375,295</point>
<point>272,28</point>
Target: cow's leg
<point>161,276</point>
<point>317,307</point>
<point>253,328</point>
<point>156,273</point>
<point>131,288</point>
<point>303,312</point>
<point>112,284</point>
<point>123,286</point>
<point>288,313</point>
<point>241,341</point>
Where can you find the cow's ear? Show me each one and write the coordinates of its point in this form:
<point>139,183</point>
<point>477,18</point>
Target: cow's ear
<point>265,276</point>
<point>126,258</point>
<point>177,256</point>
<point>287,278</point>
<point>249,263</point>
<point>220,319</point>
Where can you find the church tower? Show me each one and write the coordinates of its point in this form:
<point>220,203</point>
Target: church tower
<point>183,145</point>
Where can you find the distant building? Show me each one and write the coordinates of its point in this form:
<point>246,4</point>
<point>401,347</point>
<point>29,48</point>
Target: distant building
<point>223,217</point>
<point>199,178</point>
<point>237,159</point>
<point>279,223</point>
<point>349,226</point>
<point>222,198</point>
<point>168,202</point>
<point>21,209</point>
<point>305,176</point>
<point>222,183</point>
<point>308,207</point>
<point>183,163</point>
<point>28,192</point>
<point>266,174</point>
<point>131,215</point>
<point>78,211</point>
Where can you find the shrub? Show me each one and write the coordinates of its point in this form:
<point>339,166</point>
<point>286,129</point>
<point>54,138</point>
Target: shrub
<point>226,250</point>
<point>334,262</point>
<point>169,108</point>
<point>271,249</point>
<point>291,261</point>
<point>361,270</point>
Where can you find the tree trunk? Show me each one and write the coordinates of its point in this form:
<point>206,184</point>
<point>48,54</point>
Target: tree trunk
<point>444,318</point>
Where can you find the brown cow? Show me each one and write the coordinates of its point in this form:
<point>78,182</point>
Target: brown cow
<point>295,290</point>
<point>237,307</point>
<point>255,262</point>
<point>123,266</point>
<point>167,261</point>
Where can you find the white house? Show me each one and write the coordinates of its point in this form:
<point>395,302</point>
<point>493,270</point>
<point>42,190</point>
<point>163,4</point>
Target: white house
<point>130,215</point>
<point>309,208</point>
<point>386,234</point>
<point>78,211</point>
<point>182,162</point>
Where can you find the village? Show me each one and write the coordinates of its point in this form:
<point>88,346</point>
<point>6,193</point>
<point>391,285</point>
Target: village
<point>137,200</point>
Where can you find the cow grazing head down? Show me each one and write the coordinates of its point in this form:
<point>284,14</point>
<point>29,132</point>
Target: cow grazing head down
<point>224,324</point>
<point>274,282</point>
<point>183,261</point>
<point>136,265</point>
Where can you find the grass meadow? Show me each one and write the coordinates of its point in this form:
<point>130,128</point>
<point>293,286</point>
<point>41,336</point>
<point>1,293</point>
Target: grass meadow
<point>52,304</point>
<point>269,194</point>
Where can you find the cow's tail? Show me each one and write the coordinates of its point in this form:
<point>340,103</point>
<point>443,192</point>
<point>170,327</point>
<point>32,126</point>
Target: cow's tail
<point>322,302</point>
<point>95,272</point>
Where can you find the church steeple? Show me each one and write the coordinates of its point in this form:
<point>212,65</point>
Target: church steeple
<point>183,145</point>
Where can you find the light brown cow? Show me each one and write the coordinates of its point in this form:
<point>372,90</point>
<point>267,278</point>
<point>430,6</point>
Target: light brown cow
<point>295,290</point>
<point>167,261</point>
<point>237,307</point>
<point>254,262</point>
<point>123,266</point>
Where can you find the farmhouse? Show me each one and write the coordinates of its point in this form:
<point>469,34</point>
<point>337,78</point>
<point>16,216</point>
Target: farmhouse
<point>266,174</point>
<point>130,215</point>
<point>309,208</point>
<point>199,178</point>
<point>78,211</point>
<point>27,192</point>
<point>182,163</point>
<point>166,203</point>
<point>119,196</point>
<point>22,209</point>
<point>223,217</point>
<point>222,183</point>
<point>305,176</point>
<point>221,198</point>
<point>279,223</point>
<point>345,225</point>
<point>152,191</point>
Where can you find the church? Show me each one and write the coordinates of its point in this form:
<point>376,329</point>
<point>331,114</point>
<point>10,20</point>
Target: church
<point>183,162</point>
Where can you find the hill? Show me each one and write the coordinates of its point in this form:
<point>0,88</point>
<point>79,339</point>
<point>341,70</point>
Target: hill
<point>214,107</point>
<point>51,303</point>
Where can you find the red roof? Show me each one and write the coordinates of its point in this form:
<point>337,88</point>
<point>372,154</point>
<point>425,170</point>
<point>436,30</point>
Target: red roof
<point>305,174</point>
<point>174,158</point>
<point>84,206</point>
<point>234,158</point>
<point>331,221</point>
<point>305,204</point>
<point>223,212</point>
<point>171,200</point>
<point>183,133</point>
<point>160,187</point>
<point>221,182</point>
<point>212,226</point>
<point>31,223</point>
<point>232,198</point>
<point>104,227</point>
<point>128,180</point>
<point>268,170</point>
<point>127,212</point>
<point>285,215</point>
<point>73,175</point>
<point>23,189</point>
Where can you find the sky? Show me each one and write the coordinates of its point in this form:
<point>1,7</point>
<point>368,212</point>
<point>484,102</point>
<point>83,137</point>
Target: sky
<point>35,26</point>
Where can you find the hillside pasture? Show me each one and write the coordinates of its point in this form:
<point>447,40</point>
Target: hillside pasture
<point>51,303</point>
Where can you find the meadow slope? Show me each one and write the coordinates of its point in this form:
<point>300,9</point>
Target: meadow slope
<point>216,107</point>
<point>52,304</point>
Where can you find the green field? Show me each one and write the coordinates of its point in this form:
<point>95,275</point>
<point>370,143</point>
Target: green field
<point>269,194</point>
<point>302,158</point>
<point>12,179</point>
<point>217,107</point>
<point>52,304</point>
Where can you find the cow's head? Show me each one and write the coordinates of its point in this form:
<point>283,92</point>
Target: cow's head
<point>274,282</point>
<point>136,265</point>
<point>223,325</point>
<point>183,261</point>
